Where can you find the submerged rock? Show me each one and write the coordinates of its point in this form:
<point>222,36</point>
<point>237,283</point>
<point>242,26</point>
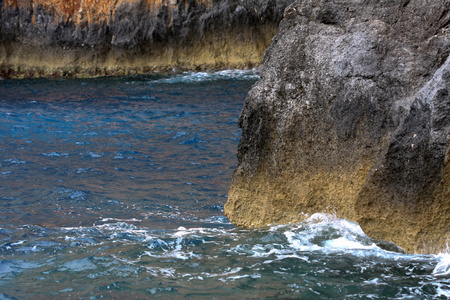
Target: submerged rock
<point>352,117</point>
<point>103,37</point>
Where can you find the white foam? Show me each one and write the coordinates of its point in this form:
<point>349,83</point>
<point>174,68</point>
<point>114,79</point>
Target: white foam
<point>199,231</point>
<point>343,225</point>
<point>304,258</point>
<point>191,77</point>
<point>17,243</point>
<point>177,254</point>
<point>55,154</point>
<point>344,243</point>
<point>233,278</point>
<point>443,267</point>
<point>442,290</point>
<point>232,271</point>
<point>94,154</point>
<point>119,220</point>
<point>15,161</point>
<point>165,272</point>
<point>375,281</point>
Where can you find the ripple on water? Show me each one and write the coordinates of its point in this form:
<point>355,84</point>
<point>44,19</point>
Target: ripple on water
<point>121,191</point>
<point>316,253</point>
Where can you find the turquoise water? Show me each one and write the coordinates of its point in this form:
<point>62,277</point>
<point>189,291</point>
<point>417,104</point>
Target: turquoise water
<point>114,188</point>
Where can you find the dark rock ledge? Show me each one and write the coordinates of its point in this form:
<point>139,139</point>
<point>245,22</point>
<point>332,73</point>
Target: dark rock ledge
<point>112,37</point>
<point>352,117</point>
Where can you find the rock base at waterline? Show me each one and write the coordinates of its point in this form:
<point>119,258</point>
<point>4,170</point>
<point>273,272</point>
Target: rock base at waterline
<point>352,117</point>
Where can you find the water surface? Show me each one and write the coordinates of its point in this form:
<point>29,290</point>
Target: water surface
<point>114,188</point>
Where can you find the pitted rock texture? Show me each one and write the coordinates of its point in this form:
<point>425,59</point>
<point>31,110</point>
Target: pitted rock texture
<point>103,37</point>
<point>351,117</point>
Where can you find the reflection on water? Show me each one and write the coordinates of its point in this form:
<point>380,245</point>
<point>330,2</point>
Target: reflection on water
<point>114,188</point>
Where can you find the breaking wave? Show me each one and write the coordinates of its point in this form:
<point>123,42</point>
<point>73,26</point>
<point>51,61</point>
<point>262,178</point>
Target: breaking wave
<point>321,256</point>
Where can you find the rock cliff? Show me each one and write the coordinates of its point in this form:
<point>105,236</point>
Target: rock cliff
<point>351,116</point>
<point>102,37</point>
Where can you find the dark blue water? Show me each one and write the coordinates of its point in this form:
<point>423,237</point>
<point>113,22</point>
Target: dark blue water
<point>114,188</point>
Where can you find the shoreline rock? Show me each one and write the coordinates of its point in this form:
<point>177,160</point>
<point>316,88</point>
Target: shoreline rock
<point>85,38</point>
<point>351,117</point>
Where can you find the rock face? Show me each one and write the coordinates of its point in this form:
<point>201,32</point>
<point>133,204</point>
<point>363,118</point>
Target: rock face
<point>351,116</point>
<point>102,37</point>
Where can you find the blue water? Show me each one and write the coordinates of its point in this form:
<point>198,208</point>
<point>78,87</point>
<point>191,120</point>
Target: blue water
<point>114,188</point>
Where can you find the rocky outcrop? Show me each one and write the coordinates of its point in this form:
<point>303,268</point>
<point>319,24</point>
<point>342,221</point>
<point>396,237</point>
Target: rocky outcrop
<point>351,116</point>
<point>103,37</point>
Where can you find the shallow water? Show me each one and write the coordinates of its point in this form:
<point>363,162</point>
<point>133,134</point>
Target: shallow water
<point>114,188</point>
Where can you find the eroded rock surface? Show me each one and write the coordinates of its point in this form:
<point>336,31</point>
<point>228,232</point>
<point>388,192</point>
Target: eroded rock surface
<point>101,37</point>
<point>351,116</point>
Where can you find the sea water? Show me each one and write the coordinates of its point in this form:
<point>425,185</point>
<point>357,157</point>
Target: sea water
<point>114,188</point>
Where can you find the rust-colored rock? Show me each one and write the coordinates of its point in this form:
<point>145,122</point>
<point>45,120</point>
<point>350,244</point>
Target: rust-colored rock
<point>104,37</point>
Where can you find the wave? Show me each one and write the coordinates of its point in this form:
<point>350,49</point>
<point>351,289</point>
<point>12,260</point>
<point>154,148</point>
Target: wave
<point>323,254</point>
<point>198,77</point>
<point>322,233</point>
<point>443,267</point>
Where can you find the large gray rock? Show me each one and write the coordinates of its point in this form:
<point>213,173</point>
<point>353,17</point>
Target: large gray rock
<point>351,117</point>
